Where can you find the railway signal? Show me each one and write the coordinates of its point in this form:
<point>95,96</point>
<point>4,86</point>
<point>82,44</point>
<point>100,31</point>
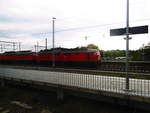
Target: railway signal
<point>128,31</point>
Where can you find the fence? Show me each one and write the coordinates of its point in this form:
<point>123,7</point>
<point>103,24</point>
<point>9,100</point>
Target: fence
<point>138,87</point>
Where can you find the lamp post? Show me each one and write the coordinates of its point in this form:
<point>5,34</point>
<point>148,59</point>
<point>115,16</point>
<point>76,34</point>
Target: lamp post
<point>53,41</point>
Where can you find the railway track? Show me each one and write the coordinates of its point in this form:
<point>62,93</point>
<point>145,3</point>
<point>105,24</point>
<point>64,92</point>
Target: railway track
<point>113,67</point>
<point>134,67</point>
<point>98,71</point>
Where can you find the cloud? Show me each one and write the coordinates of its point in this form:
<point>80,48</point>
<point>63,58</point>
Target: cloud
<point>23,27</point>
<point>8,18</point>
<point>30,21</point>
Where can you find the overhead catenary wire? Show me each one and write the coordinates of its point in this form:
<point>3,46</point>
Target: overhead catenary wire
<point>91,26</point>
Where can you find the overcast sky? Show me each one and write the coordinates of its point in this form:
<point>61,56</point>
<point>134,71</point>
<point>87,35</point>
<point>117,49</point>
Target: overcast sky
<point>29,21</point>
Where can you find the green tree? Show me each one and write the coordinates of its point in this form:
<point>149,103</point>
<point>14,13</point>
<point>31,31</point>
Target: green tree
<point>92,46</point>
<point>112,54</point>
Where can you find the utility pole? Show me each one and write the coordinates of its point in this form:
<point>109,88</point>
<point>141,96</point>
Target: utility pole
<point>127,47</point>
<point>45,43</point>
<point>14,46</point>
<point>53,41</point>
<point>143,52</point>
<point>19,46</point>
<point>37,47</point>
<point>1,48</point>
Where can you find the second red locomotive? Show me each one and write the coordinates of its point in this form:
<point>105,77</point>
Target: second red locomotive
<point>61,56</point>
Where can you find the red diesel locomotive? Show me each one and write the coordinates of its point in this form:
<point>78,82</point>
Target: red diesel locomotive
<point>61,56</point>
<point>17,57</point>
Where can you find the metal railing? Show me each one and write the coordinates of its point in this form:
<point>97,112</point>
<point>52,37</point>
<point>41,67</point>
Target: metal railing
<point>137,87</point>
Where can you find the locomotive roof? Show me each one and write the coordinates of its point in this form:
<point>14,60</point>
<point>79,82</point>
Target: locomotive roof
<point>18,52</point>
<point>64,50</point>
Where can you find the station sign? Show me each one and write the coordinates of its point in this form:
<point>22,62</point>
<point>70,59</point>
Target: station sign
<point>132,30</point>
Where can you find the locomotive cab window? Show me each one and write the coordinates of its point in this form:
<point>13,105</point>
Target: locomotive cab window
<point>94,53</point>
